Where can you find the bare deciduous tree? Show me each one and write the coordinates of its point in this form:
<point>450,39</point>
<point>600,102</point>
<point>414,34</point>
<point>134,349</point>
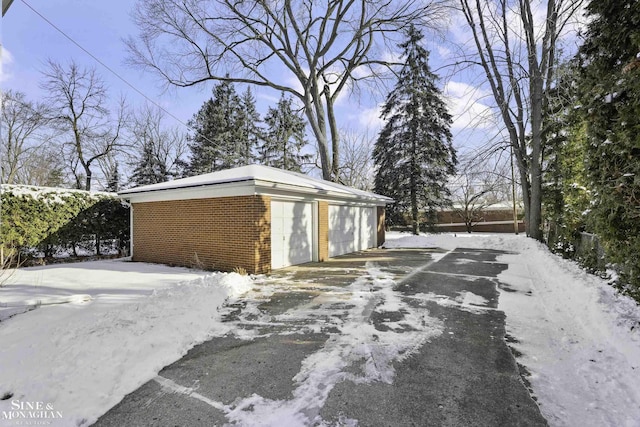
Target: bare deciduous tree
<point>483,179</point>
<point>78,100</point>
<point>309,49</point>
<point>470,203</point>
<point>167,144</point>
<point>45,168</point>
<point>356,163</point>
<point>109,165</point>
<point>21,133</point>
<point>519,59</point>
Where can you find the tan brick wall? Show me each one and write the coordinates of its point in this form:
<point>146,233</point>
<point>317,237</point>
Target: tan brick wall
<point>483,227</point>
<point>488,215</point>
<point>215,234</point>
<point>323,231</point>
<point>381,231</point>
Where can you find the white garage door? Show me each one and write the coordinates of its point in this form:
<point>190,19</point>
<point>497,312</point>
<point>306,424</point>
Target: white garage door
<point>291,233</point>
<point>351,229</point>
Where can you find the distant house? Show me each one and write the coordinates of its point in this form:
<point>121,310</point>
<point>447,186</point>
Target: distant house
<point>493,218</point>
<point>253,217</point>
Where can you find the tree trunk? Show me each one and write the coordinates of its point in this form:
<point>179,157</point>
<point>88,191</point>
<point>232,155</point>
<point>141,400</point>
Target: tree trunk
<point>414,211</point>
<point>414,192</point>
<point>88,182</point>
<point>335,137</point>
<point>535,167</point>
<point>318,127</point>
<point>526,200</point>
<point>535,214</point>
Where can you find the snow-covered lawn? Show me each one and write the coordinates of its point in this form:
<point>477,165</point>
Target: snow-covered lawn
<point>579,338</point>
<point>102,329</point>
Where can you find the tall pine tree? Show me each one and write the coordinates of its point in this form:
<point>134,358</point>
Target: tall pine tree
<point>413,154</point>
<point>610,88</point>
<point>284,138</point>
<point>217,142</point>
<point>251,134</point>
<point>149,168</point>
<point>113,180</point>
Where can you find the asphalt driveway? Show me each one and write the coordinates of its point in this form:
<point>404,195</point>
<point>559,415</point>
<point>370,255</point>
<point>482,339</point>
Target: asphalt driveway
<point>404,337</point>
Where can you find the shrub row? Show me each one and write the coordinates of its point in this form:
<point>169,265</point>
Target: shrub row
<point>50,220</point>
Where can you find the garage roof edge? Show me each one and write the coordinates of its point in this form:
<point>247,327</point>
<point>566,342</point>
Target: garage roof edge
<point>266,179</point>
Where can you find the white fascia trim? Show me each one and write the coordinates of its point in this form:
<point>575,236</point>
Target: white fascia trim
<point>243,188</point>
<point>290,191</point>
<point>254,187</point>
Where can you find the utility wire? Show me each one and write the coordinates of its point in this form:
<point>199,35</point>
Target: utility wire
<point>107,67</point>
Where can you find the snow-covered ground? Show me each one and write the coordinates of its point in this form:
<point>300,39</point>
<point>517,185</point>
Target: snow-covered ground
<point>579,338</point>
<point>100,330</point>
<point>104,328</point>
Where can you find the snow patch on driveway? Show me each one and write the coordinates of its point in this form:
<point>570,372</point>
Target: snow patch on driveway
<point>358,342</point>
<point>465,301</point>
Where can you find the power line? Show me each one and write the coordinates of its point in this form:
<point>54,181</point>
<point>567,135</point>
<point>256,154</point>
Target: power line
<point>106,66</point>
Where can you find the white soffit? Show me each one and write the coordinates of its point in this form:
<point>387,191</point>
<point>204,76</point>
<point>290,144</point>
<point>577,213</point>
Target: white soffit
<point>244,188</point>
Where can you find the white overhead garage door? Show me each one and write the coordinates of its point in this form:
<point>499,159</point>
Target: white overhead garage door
<point>291,233</point>
<point>351,229</point>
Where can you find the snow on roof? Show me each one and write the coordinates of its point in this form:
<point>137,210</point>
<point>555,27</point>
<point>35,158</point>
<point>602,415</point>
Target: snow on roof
<point>50,194</point>
<point>258,173</point>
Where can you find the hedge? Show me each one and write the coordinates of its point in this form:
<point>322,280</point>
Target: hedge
<point>49,220</point>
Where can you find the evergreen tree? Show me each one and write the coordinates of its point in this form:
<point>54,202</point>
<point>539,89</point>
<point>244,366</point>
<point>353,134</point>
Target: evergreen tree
<point>610,88</point>
<point>54,178</point>
<point>219,126</point>
<point>159,148</point>
<point>113,180</point>
<point>413,153</point>
<point>251,131</point>
<point>565,194</point>
<point>149,169</point>
<point>284,138</point>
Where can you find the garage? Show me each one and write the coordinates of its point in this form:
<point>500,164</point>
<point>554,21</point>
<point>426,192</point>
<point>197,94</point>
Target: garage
<point>351,229</point>
<point>291,233</point>
<point>253,218</point>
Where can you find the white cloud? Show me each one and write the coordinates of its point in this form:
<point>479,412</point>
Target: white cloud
<point>5,59</point>
<point>444,52</point>
<point>369,119</point>
<point>392,56</point>
<point>267,95</point>
<point>466,106</point>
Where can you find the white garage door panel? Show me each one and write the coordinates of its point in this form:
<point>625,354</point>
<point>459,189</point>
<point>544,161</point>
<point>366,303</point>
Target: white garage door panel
<point>368,229</point>
<point>291,233</point>
<point>351,229</point>
<point>341,230</point>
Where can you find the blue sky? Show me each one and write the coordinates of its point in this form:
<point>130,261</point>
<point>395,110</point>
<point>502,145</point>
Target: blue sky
<point>100,26</point>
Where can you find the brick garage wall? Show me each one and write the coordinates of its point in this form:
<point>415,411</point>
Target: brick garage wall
<point>214,234</point>
<point>323,231</point>
<point>483,227</point>
<point>381,231</point>
<point>489,215</point>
